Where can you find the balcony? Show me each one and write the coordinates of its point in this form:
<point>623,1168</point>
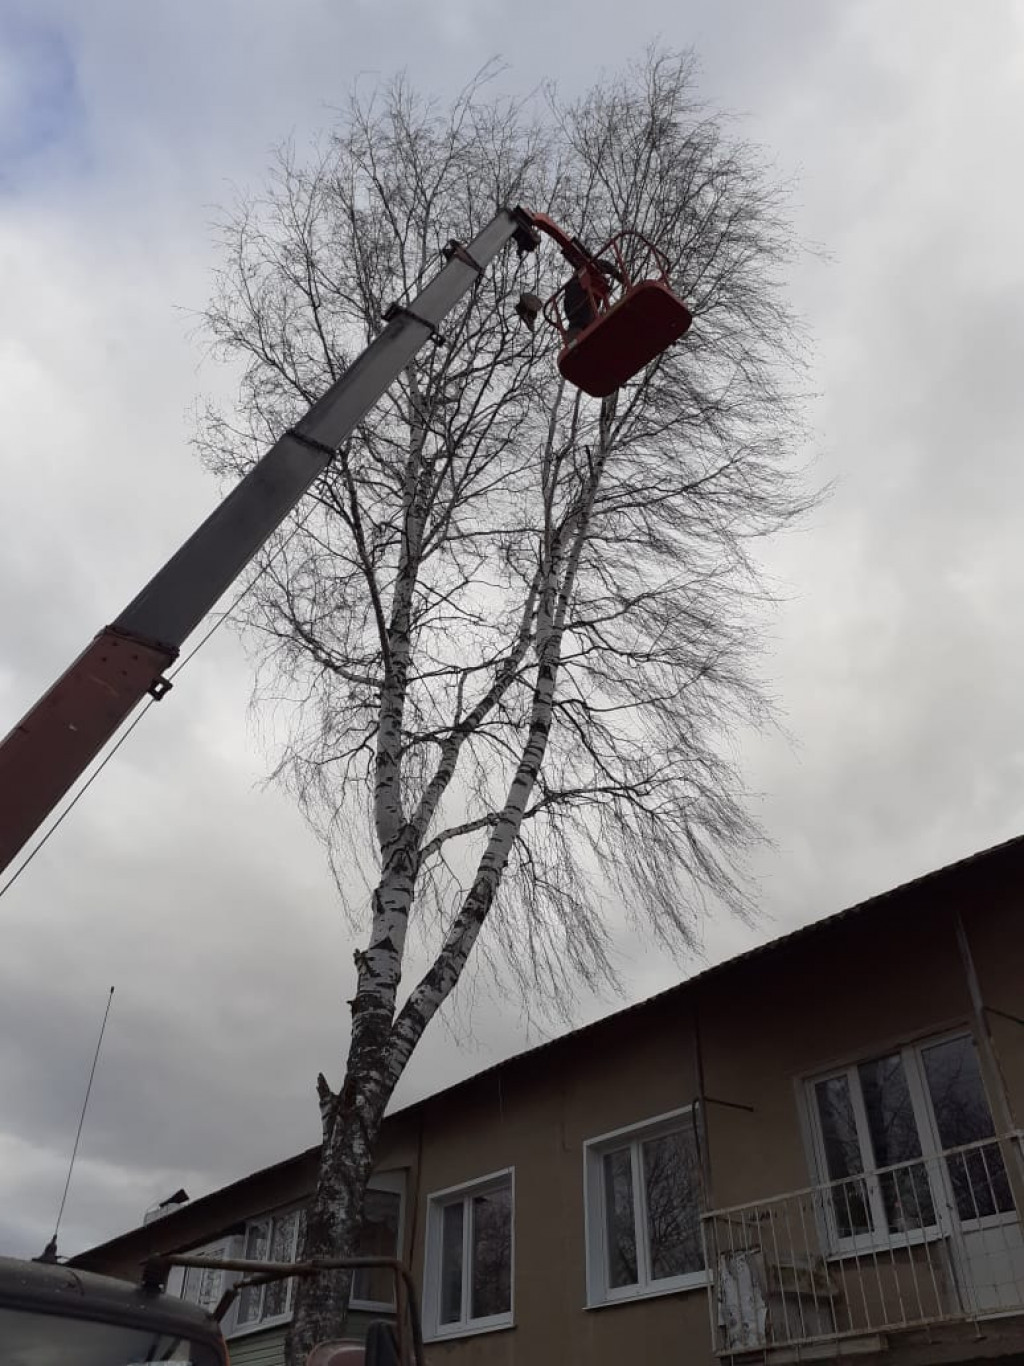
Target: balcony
<point>936,1241</point>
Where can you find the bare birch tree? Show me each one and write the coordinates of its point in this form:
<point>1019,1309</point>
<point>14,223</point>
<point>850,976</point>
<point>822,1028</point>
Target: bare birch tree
<point>511,628</point>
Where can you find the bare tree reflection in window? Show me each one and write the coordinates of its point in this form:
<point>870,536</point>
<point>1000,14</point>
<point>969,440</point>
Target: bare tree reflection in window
<point>895,1140</point>
<point>282,1249</point>
<point>620,1222</point>
<point>202,1285</point>
<point>378,1237</point>
<point>491,1252</point>
<point>257,1241</point>
<point>962,1116</point>
<point>842,1156</point>
<point>671,1187</point>
<point>451,1262</point>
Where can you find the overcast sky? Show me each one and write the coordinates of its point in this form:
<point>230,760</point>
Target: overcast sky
<point>896,657</point>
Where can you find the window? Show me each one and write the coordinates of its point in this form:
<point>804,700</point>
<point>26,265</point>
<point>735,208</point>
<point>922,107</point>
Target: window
<point>381,1236</point>
<point>201,1285</point>
<point>468,1271</point>
<point>278,1238</point>
<point>643,1210</point>
<point>273,1239</point>
<point>903,1136</point>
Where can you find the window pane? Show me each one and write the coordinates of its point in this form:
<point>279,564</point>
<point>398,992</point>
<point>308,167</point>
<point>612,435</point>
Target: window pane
<point>451,1262</point>
<point>620,1229</point>
<point>842,1156</point>
<point>671,1185</point>
<point>378,1237</point>
<point>202,1285</point>
<point>282,1249</point>
<point>962,1116</point>
<point>301,1216</point>
<point>491,1232</point>
<point>894,1136</point>
<point>257,1241</point>
<point>894,1141</point>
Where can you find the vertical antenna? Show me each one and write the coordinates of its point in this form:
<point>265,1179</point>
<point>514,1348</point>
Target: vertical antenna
<point>50,1251</point>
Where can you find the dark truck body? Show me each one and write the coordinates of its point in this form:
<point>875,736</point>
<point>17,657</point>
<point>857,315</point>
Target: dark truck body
<point>51,1314</point>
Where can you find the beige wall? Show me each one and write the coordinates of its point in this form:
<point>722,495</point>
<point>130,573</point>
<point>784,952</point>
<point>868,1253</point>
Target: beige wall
<point>881,977</point>
<point>993,916</point>
<point>859,987</point>
<point>536,1117</point>
<point>831,999</point>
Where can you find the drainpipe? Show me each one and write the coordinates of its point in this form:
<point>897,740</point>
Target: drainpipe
<point>700,1126</point>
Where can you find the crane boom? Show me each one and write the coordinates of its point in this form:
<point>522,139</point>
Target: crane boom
<point>60,736</point>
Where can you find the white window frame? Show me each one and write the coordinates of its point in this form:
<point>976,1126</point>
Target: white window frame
<point>392,1181</point>
<point>599,1292</point>
<point>235,1329</point>
<point>229,1245</point>
<point>437,1202</point>
<point>879,1236</point>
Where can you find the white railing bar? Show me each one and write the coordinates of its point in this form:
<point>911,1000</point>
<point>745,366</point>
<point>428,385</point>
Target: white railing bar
<point>796,1272</point>
<point>926,1244</point>
<point>842,1269</point>
<point>897,1279</point>
<point>711,1265</point>
<point>873,1251</point>
<point>812,1262</point>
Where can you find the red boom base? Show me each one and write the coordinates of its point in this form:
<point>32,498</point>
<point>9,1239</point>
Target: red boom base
<point>62,734</point>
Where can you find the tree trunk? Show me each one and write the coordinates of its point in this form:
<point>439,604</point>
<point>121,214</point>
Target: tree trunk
<point>352,1119</point>
<point>321,1304</point>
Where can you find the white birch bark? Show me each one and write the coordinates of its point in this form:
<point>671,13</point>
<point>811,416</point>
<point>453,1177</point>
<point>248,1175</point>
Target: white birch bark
<point>555,598</point>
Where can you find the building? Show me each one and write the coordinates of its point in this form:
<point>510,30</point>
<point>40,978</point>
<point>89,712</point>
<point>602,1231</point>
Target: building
<point>829,1124</point>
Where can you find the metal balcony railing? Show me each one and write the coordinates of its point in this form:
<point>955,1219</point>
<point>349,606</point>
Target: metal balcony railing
<point>928,1241</point>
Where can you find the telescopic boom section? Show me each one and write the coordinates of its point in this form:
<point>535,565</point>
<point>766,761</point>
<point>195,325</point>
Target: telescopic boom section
<point>53,745</point>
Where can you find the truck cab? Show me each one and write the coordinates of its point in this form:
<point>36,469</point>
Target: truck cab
<point>53,1315</point>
